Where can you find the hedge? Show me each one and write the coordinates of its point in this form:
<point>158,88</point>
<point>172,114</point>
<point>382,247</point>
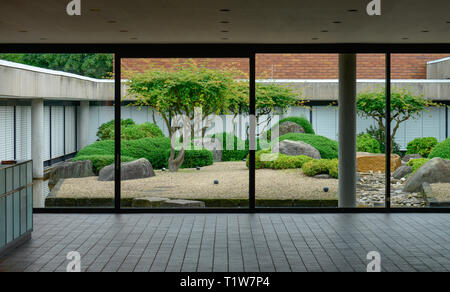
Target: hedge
<point>422,146</point>
<point>328,148</point>
<point>441,150</point>
<point>234,154</point>
<point>155,150</point>
<point>366,143</point>
<point>100,161</point>
<point>282,161</point>
<point>321,166</point>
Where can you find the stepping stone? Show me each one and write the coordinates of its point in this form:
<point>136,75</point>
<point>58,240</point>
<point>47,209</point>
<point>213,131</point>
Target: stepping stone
<point>150,202</point>
<point>183,204</point>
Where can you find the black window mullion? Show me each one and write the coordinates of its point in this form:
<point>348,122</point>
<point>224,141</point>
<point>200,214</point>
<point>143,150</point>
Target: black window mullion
<point>117,136</point>
<point>252,137</point>
<point>388,131</point>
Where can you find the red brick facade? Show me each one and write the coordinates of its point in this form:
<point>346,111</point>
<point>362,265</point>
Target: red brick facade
<point>304,66</point>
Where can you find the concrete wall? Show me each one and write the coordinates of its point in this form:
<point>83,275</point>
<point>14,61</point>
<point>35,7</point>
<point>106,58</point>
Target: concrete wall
<point>439,69</point>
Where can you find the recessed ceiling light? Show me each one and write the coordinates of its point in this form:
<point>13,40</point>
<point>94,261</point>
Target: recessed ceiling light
<point>315,39</point>
<point>337,22</point>
<point>448,21</point>
<point>224,31</point>
<point>112,21</point>
<point>405,38</point>
<point>225,10</point>
<point>224,39</point>
<point>425,30</point>
<point>95,9</point>
<point>225,22</point>
<point>324,30</point>
<point>43,39</point>
<point>352,10</point>
<point>23,30</point>
<point>123,30</point>
<point>133,39</point>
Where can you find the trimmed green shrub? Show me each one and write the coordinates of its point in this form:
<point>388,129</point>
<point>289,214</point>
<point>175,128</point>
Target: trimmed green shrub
<point>100,161</point>
<point>441,150</point>
<point>366,143</point>
<point>417,163</point>
<point>422,146</point>
<point>281,162</point>
<point>98,148</point>
<point>321,166</point>
<point>235,154</point>
<point>302,121</point>
<point>194,158</point>
<point>328,148</point>
<point>129,130</point>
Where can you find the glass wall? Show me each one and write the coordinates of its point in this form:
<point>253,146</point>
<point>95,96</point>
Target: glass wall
<point>297,130</point>
<point>419,110</point>
<point>55,106</point>
<point>184,133</point>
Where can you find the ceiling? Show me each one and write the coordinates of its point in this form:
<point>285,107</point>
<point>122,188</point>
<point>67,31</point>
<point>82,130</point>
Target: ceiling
<point>200,21</point>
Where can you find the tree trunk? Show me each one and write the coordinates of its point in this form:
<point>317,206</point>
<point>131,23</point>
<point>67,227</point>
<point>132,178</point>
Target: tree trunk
<point>175,163</point>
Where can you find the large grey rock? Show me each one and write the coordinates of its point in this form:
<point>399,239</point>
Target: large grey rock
<point>290,127</point>
<point>402,171</point>
<point>437,170</point>
<point>295,148</point>
<point>149,202</point>
<point>212,144</point>
<point>426,189</point>
<point>183,204</point>
<point>70,170</point>
<point>141,168</point>
<point>408,157</point>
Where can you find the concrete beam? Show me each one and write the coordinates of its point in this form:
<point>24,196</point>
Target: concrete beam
<point>347,130</point>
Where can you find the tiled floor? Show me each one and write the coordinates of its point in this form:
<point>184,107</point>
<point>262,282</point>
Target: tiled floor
<point>236,242</point>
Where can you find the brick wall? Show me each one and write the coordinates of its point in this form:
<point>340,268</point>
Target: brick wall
<point>303,66</point>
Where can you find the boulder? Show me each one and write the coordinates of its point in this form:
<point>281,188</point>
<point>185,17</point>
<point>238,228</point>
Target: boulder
<point>289,127</point>
<point>322,176</point>
<point>70,170</point>
<point>402,171</point>
<point>295,148</point>
<point>141,168</point>
<point>426,189</point>
<point>212,144</point>
<point>148,202</point>
<point>367,162</point>
<point>408,157</point>
<point>183,204</point>
<point>437,170</point>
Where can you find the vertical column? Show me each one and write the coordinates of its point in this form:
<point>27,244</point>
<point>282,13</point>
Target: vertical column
<point>347,130</point>
<point>84,123</point>
<point>37,150</point>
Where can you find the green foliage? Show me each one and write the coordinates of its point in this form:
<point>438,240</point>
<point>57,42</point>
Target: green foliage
<point>417,163</point>
<point>441,150</point>
<point>100,161</point>
<point>328,148</point>
<point>90,65</point>
<point>321,166</point>
<point>129,130</point>
<point>155,150</point>
<point>240,147</point>
<point>378,134</point>
<point>366,143</point>
<point>422,146</point>
<point>404,106</point>
<point>194,158</point>
<point>282,161</point>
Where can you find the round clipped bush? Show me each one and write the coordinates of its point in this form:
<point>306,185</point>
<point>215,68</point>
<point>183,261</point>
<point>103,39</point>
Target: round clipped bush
<point>194,158</point>
<point>129,130</point>
<point>100,161</point>
<point>302,121</point>
<point>417,163</point>
<point>441,150</point>
<point>422,146</point>
<point>281,162</point>
<point>239,150</point>
<point>328,148</point>
<point>321,166</point>
<point>366,143</point>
